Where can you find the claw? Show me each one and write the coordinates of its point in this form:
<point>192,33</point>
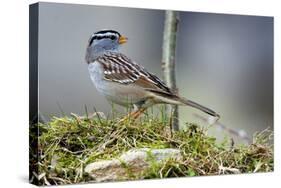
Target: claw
<point>133,115</point>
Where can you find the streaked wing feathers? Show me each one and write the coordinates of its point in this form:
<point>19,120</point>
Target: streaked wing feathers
<point>119,68</point>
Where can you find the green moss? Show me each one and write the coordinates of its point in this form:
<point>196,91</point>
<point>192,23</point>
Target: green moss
<point>68,144</point>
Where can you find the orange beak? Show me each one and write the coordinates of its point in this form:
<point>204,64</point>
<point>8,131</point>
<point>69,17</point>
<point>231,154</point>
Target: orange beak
<point>122,40</point>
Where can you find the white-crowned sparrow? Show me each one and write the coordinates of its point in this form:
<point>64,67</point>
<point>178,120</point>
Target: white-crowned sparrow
<point>125,82</point>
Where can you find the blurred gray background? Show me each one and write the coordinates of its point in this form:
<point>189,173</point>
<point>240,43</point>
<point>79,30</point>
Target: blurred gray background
<point>224,62</point>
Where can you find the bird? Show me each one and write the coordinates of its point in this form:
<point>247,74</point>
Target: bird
<point>125,82</point>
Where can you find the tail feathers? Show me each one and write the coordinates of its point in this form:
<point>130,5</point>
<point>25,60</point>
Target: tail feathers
<point>199,107</point>
<point>170,98</point>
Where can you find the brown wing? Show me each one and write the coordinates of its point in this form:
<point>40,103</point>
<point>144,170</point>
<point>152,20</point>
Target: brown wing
<point>119,68</point>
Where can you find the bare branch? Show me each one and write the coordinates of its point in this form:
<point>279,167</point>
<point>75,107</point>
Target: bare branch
<point>238,133</point>
<point>168,59</point>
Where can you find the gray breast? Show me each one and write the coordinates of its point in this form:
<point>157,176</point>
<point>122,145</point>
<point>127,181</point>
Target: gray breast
<point>113,91</point>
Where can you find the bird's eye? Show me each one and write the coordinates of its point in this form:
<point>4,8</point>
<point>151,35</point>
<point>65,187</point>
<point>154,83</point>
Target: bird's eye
<point>113,37</point>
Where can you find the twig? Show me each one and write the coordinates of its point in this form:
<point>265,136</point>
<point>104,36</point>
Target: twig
<point>224,170</point>
<point>168,58</point>
<point>241,133</point>
<point>64,181</point>
<point>171,122</point>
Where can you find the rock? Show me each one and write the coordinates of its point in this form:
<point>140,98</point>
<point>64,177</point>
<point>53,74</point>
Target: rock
<point>132,163</point>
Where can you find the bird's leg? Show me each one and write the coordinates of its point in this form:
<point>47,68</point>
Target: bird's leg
<point>138,113</point>
<point>133,115</point>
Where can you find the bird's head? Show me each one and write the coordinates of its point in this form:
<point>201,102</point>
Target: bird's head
<point>103,41</point>
<point>107,39</point>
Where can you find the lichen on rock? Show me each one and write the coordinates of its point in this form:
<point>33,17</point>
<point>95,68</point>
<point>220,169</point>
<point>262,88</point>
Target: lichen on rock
<point>137,160</point>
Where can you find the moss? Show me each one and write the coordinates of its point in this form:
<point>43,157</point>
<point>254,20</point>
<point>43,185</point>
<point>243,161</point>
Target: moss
<point>68,144</point>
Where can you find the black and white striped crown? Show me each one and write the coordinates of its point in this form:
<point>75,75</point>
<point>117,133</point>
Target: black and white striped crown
<point>111,34</point>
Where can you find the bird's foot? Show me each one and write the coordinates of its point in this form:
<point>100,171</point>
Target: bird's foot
<point>132,116</point>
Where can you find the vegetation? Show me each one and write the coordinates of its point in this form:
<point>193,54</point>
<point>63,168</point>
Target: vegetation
<point>68,144</point>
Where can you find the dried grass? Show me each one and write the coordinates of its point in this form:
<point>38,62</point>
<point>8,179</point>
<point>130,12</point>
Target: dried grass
<point>68,144</point>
